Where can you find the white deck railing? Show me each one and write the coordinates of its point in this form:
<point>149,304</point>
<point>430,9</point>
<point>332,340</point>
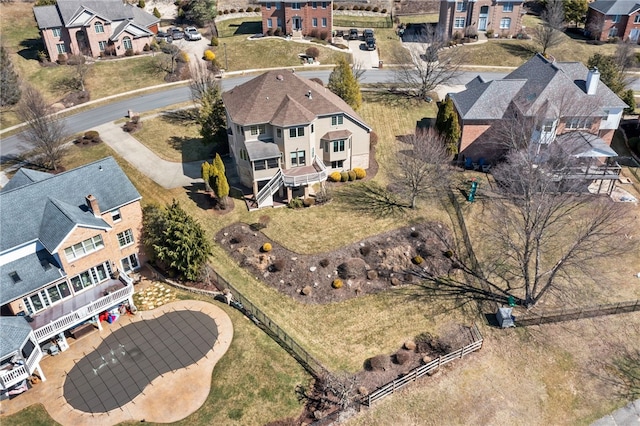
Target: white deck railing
<point>320,175</point>
<point>22,372</point>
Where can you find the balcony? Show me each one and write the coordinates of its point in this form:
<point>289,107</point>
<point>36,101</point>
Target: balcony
<point>13,374</point>
<point>306,175</point>
<point>62,316</point>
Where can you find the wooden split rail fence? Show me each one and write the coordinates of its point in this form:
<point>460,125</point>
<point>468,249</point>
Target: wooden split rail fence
<point>559,315</point>
<point>423,370</point>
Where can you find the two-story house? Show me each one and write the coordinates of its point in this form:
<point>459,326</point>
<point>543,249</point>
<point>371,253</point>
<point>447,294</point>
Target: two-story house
<point>608,19</point>
<point>287,132</point>
<point>93,28</point>
<point>503,17</point>
<point>66,246</point>
<point>564,102</point>
<point>307,18</point>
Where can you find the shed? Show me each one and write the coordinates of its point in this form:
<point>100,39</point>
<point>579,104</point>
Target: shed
<point>504,317</point>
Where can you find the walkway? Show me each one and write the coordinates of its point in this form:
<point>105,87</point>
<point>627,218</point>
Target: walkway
<point>628,415</point>
<point>190,386</point>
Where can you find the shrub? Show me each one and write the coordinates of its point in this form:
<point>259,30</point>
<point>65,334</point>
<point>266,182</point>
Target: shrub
<point>373,138</point>
<point>410,345</point>
<point>236,239</point>
<point>215,41</point>
<point>256,9</point>
<point>376,9</point>
<point>156,12</point>
<point>313,52</point>
<point>308,202</point>
<point>337,283</point>
<point>249,9</point>
<point>209,55</point>
<point>360,173</point>
<point>141,4</point>
<point>129,52</point>
<point>295,203</point>
<point>278,32</point>
<point>266,247</point>
<point>379,362</point>
<point>335,176</point>
<point>365,250</point>
<point>183,57</point>
<point>383,11</point>
<point>241,10</point>
<point>324,35</point>
<point>226,11</point>
<point>489,33</point>
<point>340,7</point>
<point>278,265</point>
<point>448,254</point>
<point>344,176</point>
<point>414,234</point>
<point>93,136</point>
<point>352,175</point>
<point>232,11</point>
<point>417,260</point>
<point>220,12</point>
<point>130,127</point>
<point>402,357</point>
<point>324,263</point>
<point>368,8</point>
<point>146,47</point>
<point>270,32</point>
<point>62,59</point>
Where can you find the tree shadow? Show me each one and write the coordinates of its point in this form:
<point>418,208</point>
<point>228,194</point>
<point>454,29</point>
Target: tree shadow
<point>31,47</point>
<point>183,116</point>
<point>371,198</point>
<point>522,50</point>
<point>203,200</point>
<point>248,27</point>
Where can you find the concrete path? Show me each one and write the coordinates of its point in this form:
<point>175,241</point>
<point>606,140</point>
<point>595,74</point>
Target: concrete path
<point>165,173</point>
<point>628,415</point>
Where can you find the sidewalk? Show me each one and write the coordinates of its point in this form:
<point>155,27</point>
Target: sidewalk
<point>165,173</point>
<point>628,415</point>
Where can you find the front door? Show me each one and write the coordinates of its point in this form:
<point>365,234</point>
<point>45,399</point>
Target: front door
<point>482,18</point>
<point>633,35</point>
<point>297,23</point>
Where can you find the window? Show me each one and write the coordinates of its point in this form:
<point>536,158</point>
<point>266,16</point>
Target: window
<point>269,23</point>
<point>461,7</point>
<point>312,128</point>
<point>458,23</point>
<point>297,158</point>
<point>636,20</point>
<point>272,163</point>
<point>314,22</point>
<point>578,123</point>
<point>507,7</point>
<point>278,7</point>
<point>57,32</point>
<point>296,132</point>
<point>61,48</point>
<point>615,19</point>
<point>324,4</point>
<point>295,6</point>
<point>337,164</point>
<point>98,27</point>
<point>243,155</point>
<point>336,119</point>
<point>613,32</point>
<point>58,292</point>
<point>130,263</point>
<point>116,216</point>
<point>83,248</point>
<point>314,5</point>
<point>279,22</point>
<point>324,22</point>
<point>547,126</point>
<point>102,45</point>
<point>267,5</point>
<point>279,133</point>
<point>259,129</point>
<point>338,146</point>
<point>90,277</point>
<point>126,42</point>
<point>125,238</point>
<point>505,23</point>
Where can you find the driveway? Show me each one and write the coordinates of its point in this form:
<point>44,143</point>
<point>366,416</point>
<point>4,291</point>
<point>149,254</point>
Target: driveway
<point>195,49</point>
<point>368,58</point>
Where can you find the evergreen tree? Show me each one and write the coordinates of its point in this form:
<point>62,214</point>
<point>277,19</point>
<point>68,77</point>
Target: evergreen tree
<point>343,83</point>
<point>219,181</point>
<point>9,84</point>
<point>575,11</point>
<point>206,175</point>
<point>219,164</point>
<point>448,126</point>
<point>156,13</point>
<point>175,239</point>
<point>609,71</point>
<point>212,117</point>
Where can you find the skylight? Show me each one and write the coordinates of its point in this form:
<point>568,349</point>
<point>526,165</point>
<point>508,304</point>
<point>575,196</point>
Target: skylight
<point>15,277</point>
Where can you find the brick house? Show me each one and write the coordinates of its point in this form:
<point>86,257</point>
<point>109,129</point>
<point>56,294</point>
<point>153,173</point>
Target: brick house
<point>504,18</point>
<point>564,101</point>
<point>95,27</point>
<point>608,19</point>
<point>311,18</point>
<point>288,133</point>
<point>67,245</point>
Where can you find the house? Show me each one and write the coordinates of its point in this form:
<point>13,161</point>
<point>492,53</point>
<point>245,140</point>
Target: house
<point>68,244</point>
<point>564,102</point>
<point>608,19</point>
<point>504,18</point>
<point>94,27</point>
<point>311,18</point>
<point>287,132</point>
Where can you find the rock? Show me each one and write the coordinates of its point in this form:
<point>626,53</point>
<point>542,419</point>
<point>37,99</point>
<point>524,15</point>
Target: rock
<point>395,281</point>
<point>435,372</point>
<point>413,228</point>
<point>294,258</point>
<point>291,270</point>
<point>265,275</point>
<point>372,274</point>
<point>426,359</point>
<point>315,284</point>
<point>306,290</point>
<point>312,269</point>
<point>281,281</point>
<point>226,234</point>
<point>410,345</point>
<point>362,390</point>
<point>361,244</point>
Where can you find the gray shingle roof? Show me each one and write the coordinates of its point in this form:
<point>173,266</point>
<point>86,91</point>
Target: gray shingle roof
<point>260,100</point>
<point>259,150</point>
<point>31,205</point>
<point>47,17</point>
<point>583,144</point>
<point>619,7</point>
<point>35,271</point>
<point>537,86</point>
<point>65,11</point>
<point>13,331</point>
<point>24,177</point>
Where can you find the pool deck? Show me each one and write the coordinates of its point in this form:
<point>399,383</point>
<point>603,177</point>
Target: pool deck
<point>169,398</point>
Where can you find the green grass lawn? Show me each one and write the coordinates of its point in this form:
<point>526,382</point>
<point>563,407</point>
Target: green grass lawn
<point>362,21</point>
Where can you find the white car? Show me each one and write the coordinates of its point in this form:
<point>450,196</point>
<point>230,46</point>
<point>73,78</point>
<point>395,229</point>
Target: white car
<point>192,34</point>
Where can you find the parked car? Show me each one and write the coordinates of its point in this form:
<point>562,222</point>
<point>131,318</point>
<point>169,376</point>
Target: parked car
<point>370,42</point>
<point>176,33</point>
<point>192,34</point>
<point>162,36</point>
<point>368,34</point>
<point>353,34</point>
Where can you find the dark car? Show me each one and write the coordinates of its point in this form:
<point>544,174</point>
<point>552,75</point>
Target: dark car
<point>368,34</point>
<point>370,43</point>
<point>176,33</point>
<point>162,36</point>
<point>353,34</point>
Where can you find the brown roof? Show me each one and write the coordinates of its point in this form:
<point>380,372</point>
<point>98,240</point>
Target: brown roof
<point>281,98</point>
<point>338,134</point>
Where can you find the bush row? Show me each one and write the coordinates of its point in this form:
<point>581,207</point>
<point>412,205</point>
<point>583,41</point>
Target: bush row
<point>350,175</point>
<point>241,10</point>
<point>367,8</point>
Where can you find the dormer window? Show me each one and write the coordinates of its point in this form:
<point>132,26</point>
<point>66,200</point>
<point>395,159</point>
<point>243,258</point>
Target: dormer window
<point>15,277</point>
<point>45,264</point>
<point>98,27</point>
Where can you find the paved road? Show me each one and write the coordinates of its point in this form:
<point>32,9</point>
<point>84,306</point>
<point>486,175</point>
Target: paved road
<point>86,120</point>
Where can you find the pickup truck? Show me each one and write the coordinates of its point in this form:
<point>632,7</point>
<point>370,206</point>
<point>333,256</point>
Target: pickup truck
<point>192,34</point>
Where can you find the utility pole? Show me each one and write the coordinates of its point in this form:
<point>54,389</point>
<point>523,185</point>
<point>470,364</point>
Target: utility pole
<point>226,61</point>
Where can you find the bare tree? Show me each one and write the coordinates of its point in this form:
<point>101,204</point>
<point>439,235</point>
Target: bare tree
<point>358,70</point>
<point>625,57</point>
<point>202,79</point>
<point>81,69</point>
<point>422,72</point>
<point>549,33</point>
<point>44,132</point>
<point>419,165</point>
<point>595,25</point>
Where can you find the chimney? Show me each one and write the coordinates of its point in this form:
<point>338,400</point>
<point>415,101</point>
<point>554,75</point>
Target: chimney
<point>92,203</point>
<point>593,77</point>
